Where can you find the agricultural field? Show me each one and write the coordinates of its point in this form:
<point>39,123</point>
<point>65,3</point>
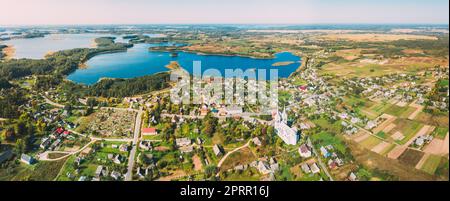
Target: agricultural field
<point>374,37</point>
<point>370,142</point>
<point>407,128</point>
<point>431,164</point>
<point>440,133</point>
<point>411,157</point>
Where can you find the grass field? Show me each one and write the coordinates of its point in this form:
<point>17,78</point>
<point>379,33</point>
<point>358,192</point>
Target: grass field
<point>241,157</point>
<point>325,138</point>
<point>434,120</point>
<point>440,132</point>
<point>431,164</point>
<point>42,171</point>
<point>381,134</point>
<point>370,142</point>
<point>407,112</point>
<point>387,149</point>
<point>408,128</point>
<point>335,127</point>
<point>377,109</point>
<point>402,112</point>
<point>248,175</point>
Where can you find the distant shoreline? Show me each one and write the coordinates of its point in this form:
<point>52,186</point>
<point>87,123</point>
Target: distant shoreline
<point>9,51</point>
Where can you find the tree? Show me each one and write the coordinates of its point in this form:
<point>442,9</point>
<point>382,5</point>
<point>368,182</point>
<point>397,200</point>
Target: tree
<point>20,146</point>
<point>9,134</point>
<point>210,170</point>
<point>21,128</point>
<point>91,102</point>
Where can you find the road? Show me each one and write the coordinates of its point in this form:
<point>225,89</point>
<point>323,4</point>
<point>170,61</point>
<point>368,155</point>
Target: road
<point>246,116</point>
<point>44,156</point>
<point>322,165</point>
<point>231,152</point>
<point>137,131</point>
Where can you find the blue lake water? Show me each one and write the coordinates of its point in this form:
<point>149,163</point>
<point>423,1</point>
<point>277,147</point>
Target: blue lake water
<point>37,48</point>
<point>139,61</point>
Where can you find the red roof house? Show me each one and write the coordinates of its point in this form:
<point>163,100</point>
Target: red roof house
<point>149,131</point>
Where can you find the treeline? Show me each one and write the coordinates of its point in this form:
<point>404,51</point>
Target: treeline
<point>4,84</point>
<point>1,50</point>
<point>119,88</point>
<point>432,47</point>
<point>109,88</point>
<point>10,101</point>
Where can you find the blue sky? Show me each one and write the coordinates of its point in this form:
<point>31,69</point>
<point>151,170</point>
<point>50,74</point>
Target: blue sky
<point>16,12</point>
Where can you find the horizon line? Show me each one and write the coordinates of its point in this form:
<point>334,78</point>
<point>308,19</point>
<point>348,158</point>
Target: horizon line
<point>277,24</point>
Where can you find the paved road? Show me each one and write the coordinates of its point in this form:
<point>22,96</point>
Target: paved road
<point>137,131</point>
<point>246,116</point>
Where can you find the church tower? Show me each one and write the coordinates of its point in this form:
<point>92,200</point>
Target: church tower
<point>284,116</point>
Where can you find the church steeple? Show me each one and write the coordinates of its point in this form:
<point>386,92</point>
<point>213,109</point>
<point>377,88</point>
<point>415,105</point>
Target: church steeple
<point>284,116</point>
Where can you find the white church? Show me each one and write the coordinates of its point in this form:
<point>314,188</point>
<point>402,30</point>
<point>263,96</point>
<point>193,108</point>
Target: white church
<point>287,134</point>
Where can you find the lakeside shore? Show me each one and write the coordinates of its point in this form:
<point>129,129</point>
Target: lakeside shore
<point>9,52</point>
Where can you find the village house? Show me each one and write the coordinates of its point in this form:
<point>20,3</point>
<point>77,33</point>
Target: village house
<point>26,159</point>
<point>149,131</point>
<point>100,172</point>
<point>305,151</point>
<point>314,168</point>
<point>116,175</point>
<point>142,172</point>
<point>187,149</point>
<point>352,177</point>
<point>6,155</point>
<point>305,168</point>
<point>181,142</point>
<point>218,150</point>
<point>123,147</point>
<point>256,141</point>
<point>264,167</point>
<point>118,159</point>
<point>324,152</point>
<point>45,143</point>
<point>145,145</point>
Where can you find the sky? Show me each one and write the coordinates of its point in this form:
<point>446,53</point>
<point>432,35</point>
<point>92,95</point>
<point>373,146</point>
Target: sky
<point>58,12</point>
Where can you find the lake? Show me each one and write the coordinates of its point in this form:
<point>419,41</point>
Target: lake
<point>37,48</point>
<point>139,61</point>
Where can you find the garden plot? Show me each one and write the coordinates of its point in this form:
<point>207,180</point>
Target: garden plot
<point>419,109</point>
<point>408,129</point>
<point>384,124</point>
<point>396,152</point>
<point>380,147</point>
<point>430,164</point>
<point>411,157</point>
<point>438,146</point>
